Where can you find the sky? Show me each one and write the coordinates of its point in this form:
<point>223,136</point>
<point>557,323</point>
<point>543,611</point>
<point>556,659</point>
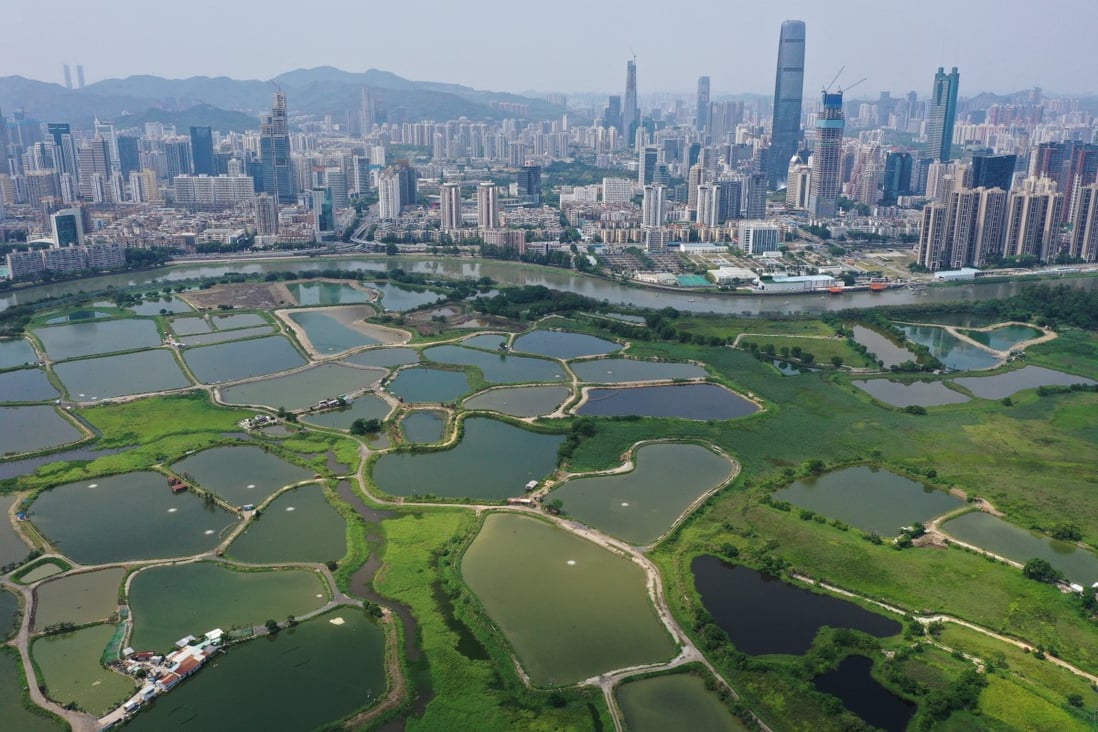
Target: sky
<point>570,45</point>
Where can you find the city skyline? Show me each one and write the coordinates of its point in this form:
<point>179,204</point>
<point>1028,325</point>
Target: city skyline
<point>848,34</point>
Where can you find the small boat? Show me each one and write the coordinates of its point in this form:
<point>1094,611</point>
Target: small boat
<point>835,289</point>
<point>878,284</point>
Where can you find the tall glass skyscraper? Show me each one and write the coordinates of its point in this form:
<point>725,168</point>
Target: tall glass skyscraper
<point>276,175</point>
<point>942,112</point>
<point>202,154</point>
<point>630,112</point>
<point>785,131</point>
<point>823,195</point>
<point>701,115</point>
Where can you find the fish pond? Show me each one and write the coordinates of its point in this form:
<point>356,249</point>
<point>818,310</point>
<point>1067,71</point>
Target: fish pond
<point>29,429</point>
<point>677,701</point>
<point>327,293</point>
<point>429,385</point>
<point>620,370</point>
<point>12,710</point>
<point>997,536</point>
<point>16,352</point>
<point>492,461</point>
<point>367,406</point>
<point>223,336</point>
<point>1010,382</point>
<point>870,499</point>
<point>582,610</point>
<point>853,684</point>
<point>12,548</point>
<point>423,426</point>
<point>487,341</point>
<point>81,598</point>
<point>114,376</point>
<point>399,299</point>
<point>241,474</point>
<point>384,357</point>
<point>10,617</point>
<point>170,602</point>
<point>242,359</point>
<point>91,338</point>
<point>905,394</point>
<point>127,517</point>
<point>71,669</point>
<point>303,388</point>
<point>161,306</point>
<point>1004,337</point>
<point>193,325</point>
<point>237,320</point>
<point>498,368</point>
<point>330,332</point>
<point>298,526</point>
<point>26,385</point>
<point>683,401</point>
<point>520,401</point>
<point>564,345</point>
<point>762,614</point>
<point>951,351</point>
<point>336,662</point>
<point>641,505</point>
<point>886,351</point>
<point>77,316</point>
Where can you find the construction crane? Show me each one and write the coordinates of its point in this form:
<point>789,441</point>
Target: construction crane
<point>831,83</point>
<point>859,81</point>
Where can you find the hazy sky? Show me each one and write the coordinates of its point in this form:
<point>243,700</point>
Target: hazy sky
<point>568,45</point>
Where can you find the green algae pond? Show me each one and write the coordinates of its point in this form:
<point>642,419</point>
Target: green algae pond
<point>383,357</point>
<point>302,678</point>
<point>34,572</point>
<point>16,352</point>
<point>621,370</point>
<point>29,429</point>
<point>241,474</point>
<point>564,345</point>
<point>683,401</point>
<point>492,461</point>
<point>15,715</point>
<point>520,401</point>
<point>641,505</point>
<point>12,547</point>
<point>156,307</point>
<point>570,609</point>
<point>242,359</point>
<point>887,352</point>
<point>91,338</point>
<point>71,669</point>
<point>127,517</point>
<point>297,526</point>
<point>303,388</point>
<point>423,426</point>
<point>237,320</point>
<point>114,376</point>
<point>367,406</point>
<point>498,368</point>
<point>192,325</point>
<point>870,499</point>
<point>9,615</point>
<point>80,599</point>
<point>904,394</point>
<point>423,385</point>
<point>677,701</point>
<point>170,602</point>
<point>26,385</point>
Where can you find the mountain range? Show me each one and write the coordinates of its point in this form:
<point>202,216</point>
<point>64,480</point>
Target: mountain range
<point>232,104</point>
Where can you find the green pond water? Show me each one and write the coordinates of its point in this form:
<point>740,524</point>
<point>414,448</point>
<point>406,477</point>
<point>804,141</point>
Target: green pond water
<point>326,293</point>
<point>298,526</point>
<point>886,351</point>
<point>487,341</point>
<point>337,668</point>
<point>581,611</point>
<point>919,393</point>
<point>190,325</point>
<point>126,517</point>
<point>618,370</point>
<point>71,670</point>
<point>76,316</point>
<point>564,345</point>
<point>223,336</point>
<point>240,475</point>
<point>16,352</point>
<point>498,368</point>
<point>40,571</point>
<point>303,388</point>
<point>641,505</point>
<point>237,320</point>
<point>90,338</point>
<point>27,429</point>
<point>1010,382</point>
<point>423,427</point>
<point>521,401</point>
<point>950,350</point>
<point>870,499</point>
<point>153,307</point>
<point>15,715</point>
<point>78,598</point>
<point>115,376</point>
<point>399,299</point>
<point>429,385</point>
<point>682,401</point>
<point>1005,337</point>
<point>678,701</point>
<point>328,335</point>
<point>242,359</point>
<point>26,385</point>
<point>493,461</point>
<point>9,616</point>
<point>12,548</point>
<point>1013,542</point>
<point>170,602</point>
<point>384,357</point>
<point>366,407</point>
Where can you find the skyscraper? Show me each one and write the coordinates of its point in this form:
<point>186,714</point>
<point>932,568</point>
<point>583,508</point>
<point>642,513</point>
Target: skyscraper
<point>274,152</point>
<point>1032,216</point>
<point>785,130</point>
<point>450,206</point>
<point>202,153</point>
<point>701,114</point>
<point>993,171</point>
<point>630,112</point>
<point>68,77</point>
<point>611,116</point>
<point>646,164</point>
<point>824,193</point>
<point>487,205</point>
<point>388,194</point>
<point>897,176</point>
<point>266,215</point>
<point>80,76</point>
<point>529,184</point>
<point>1084,232</point>
<point>652,206</point>
<point>942,113</point>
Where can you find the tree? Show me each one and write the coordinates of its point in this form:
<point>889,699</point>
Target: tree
<point>272,626</point>
<point>365,426</point>
<point>1041,571</point>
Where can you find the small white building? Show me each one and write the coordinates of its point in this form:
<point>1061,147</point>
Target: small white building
<point>803,283</point>
<point>957,275</point>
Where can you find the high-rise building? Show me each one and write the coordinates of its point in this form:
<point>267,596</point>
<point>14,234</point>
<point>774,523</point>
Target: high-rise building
<point>487,205</point>
<point>450,206</point>
<point>80,76</point>
<point>646,164</point>
<point>897,176</point>
<point>1033,214</point>
<point>966,229</point>
<point>389,194</point>
<point>409,183</point>
<point>1084,232</point>
<point>731,200</point>
<point>202,153</point>
<point>367,114</point>
<point>757,237</point>
<point>754,202</point>
<point>702,109</point>
<point>266,215</point>
<point>708,204</point>
<point>276,173</point>
<point>826,156</point>
<point>942,112</point>
<point>611,116</point>
<point>798,183</point>
<point>785,129</point>
<point>652,206</point>
<point>129,155</point>
<point>630,111</point>
<point>68,227</point>
<point>68,77</point>
<point>993,171</point>
<point>529,184</point>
